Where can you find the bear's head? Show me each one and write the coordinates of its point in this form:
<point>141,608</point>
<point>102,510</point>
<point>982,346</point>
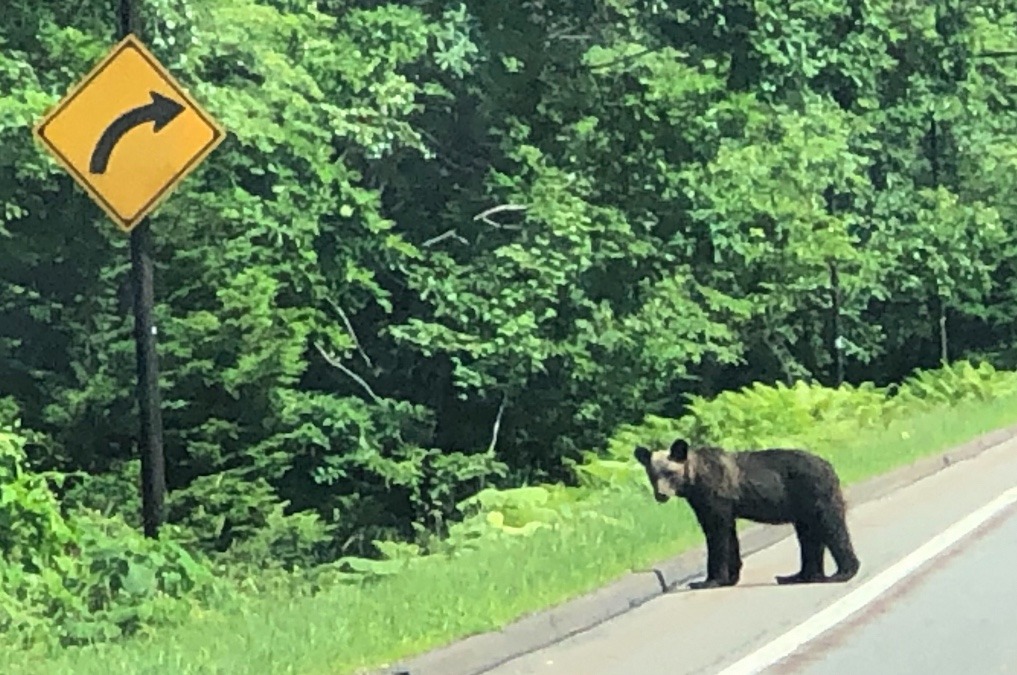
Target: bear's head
<point>666,469</point>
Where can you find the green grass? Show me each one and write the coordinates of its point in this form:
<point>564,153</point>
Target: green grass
<point>440,601</point>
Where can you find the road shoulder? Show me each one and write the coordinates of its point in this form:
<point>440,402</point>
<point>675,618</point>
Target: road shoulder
<point>480,653</point>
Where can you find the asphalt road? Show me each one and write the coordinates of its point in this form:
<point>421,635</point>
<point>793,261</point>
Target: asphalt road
<point>919,604</point>
<point>959,618</point>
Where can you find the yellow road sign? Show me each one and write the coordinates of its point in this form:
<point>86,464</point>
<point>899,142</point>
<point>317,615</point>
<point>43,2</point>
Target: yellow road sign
<point>129,133</point>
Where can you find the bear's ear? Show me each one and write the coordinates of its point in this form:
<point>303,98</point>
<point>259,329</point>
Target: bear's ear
<point>642,455</point>
<point>679,450</point>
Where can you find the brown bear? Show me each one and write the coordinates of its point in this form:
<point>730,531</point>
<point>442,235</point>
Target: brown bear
<point>767,486</point>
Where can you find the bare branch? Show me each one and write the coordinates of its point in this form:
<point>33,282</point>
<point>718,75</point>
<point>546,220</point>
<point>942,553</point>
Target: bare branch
<point>336,363</point>
<point>567,33</point>
<point>499,226</point>
<point>451,234</point>
<point>995,54</point>
<point>499,209</point>
<point>497,424</point>
<point>622,60</point>
<point>353,333</point>
<point>485,216</point>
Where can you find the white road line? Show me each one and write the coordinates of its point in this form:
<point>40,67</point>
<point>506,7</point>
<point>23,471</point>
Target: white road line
<point>823,621</point>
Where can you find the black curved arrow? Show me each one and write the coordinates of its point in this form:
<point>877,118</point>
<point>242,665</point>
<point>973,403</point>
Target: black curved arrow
<point>161,110</point>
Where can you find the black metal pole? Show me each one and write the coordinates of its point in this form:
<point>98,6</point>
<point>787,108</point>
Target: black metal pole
<point>153,461</point>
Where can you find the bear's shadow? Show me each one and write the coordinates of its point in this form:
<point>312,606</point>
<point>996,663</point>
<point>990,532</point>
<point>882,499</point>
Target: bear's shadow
<point>683,587</point>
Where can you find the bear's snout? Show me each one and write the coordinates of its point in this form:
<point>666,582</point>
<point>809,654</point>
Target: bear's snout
<point>661,498</point>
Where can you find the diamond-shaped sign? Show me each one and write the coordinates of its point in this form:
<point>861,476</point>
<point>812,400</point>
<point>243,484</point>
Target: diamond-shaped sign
<point>129,133</point>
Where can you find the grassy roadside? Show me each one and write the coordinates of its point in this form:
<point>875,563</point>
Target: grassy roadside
<point>440,601</point>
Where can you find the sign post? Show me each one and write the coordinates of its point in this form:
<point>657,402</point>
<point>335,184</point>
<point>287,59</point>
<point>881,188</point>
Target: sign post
<point>128,133</point>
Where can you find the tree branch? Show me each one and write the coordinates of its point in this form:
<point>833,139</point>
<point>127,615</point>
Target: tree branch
<point>995,55</point>
<point>497,424</point>
<point>622,60</point>
<point>336,363</point>
<point>451,234</point>
<point>485,216</point>
<point>569,32</point>
<point>353,333</point>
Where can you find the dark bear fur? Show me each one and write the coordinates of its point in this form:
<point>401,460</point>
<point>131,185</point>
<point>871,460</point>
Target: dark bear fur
<point>767,486</point>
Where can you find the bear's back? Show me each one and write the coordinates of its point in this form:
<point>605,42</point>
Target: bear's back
<point>777,483</point>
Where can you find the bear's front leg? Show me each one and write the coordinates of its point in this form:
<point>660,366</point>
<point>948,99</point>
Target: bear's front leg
<point>734,556</point>
<point>718,557</point>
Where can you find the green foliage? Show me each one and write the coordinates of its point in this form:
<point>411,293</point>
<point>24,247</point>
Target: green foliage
<point>804,415</point>
<point>953,384</point>
<point>214,511</point>
<point>521,510</point>
<point>81,577</point>
<point>32,529</point>
<point>761,416</point>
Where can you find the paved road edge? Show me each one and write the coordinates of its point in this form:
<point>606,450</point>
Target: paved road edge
<point>482,652</point>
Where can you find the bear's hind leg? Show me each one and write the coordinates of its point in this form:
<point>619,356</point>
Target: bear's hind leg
<point>839,541</point>
<point>811,548</point>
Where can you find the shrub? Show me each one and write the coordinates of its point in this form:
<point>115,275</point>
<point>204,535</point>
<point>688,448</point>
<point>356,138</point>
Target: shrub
<point>80,577</point>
